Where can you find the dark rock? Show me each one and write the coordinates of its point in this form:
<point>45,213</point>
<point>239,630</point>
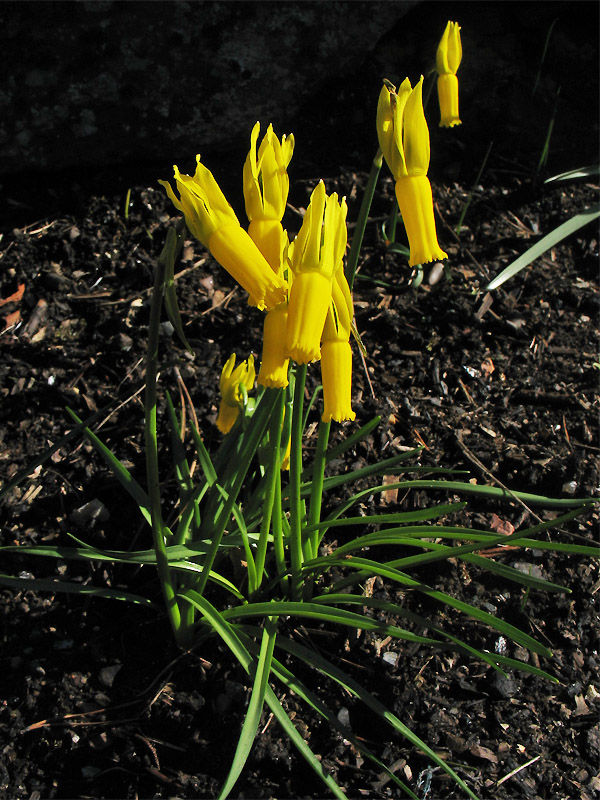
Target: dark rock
<point>109,82</point>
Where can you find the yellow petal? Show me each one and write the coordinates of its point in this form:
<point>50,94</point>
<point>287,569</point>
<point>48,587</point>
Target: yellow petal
<point>268,235</point>
<point>449,52</point>
<point>416,133</point>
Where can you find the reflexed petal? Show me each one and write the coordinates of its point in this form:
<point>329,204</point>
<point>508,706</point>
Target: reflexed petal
<point>268,235</point>
<point>416,206</point>
<point>266,182</point>
<point>201,201</point>
<point>336,375</point>
<point>416,133</point>
<point>338,324</point>
<point>449,52</point>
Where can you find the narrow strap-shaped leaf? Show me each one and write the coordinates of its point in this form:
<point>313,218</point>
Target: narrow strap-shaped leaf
<point>257,699</point>
<point>335,616</point>
<point>375,568</point>
<point>169,255</point>
<point>318,662</point>
<point>51,585</point>
<point>203,456</point>
<point>295,685</point>
<point>548,241</point>
<point>231,638</point>
<point>125,478</point>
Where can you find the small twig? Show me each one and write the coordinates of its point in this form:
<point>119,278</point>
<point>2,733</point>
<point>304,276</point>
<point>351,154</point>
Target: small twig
<point>473,458</point>
<point>518,769</point>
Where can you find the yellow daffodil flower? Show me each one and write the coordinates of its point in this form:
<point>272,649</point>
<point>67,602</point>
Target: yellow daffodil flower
<point>213,222</point>
<point>266,187</point>
<point>315,256</point>
<point>404,140</point>
<point>336,353</point>
<point>234,383</point>
<point>449,55</point>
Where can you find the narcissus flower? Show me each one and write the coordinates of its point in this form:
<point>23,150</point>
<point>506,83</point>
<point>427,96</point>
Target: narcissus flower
<point>449,55</point>
<point>234,385</point>
<point>316,254</point>
<point>266,187</point>
<point>404,140</point>
<point>212,221</point>
<point>336,353</point>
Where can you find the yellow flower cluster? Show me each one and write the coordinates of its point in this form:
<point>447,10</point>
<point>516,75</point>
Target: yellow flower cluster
<point>301,286</point>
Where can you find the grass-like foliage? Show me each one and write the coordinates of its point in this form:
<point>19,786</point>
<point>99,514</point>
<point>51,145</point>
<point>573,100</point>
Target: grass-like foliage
<point>242,556</point>
<point>241,541</point>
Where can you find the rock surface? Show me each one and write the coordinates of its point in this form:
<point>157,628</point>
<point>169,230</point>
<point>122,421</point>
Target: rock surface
<point>109,82</point>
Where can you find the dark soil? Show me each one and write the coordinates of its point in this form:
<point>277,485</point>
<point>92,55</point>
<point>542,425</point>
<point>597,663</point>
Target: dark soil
<point>96,700</point>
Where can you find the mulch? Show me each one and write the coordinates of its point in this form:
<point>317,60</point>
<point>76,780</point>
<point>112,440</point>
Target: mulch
<point>96,700</point>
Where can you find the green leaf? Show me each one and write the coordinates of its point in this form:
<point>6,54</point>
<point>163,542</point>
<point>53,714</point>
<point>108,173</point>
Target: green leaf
<point>122,474</point>
<point>295,685</point>
<point>316,661</point>
<point>51,585</point>
<point>583,172</point>
<point>369,567</point>
<point>170,252</point>
<point>548,241</point>
<point>335,616</point>
<point>257,699</point>
<point>232,639</point>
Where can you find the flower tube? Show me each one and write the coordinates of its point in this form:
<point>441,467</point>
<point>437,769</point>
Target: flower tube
<point>336,353</point>
<point>234,383</point>
<point>404,140</point>
<point>448,58</point>
<point>213,222</point>
<point>316,252</point>
<point>266,187</point>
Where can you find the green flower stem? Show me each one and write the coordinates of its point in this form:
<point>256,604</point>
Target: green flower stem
<point>169,590</point>
<point>296,506</point>
<point>363,215</point>
<point>278,546</point>
<point>273,478</point>
<point>316,490</point>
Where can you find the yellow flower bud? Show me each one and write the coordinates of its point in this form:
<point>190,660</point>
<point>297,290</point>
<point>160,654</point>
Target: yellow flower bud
<point>448,58</point>
<point>213,222</point>
<point>404,140</point>
<point>232,385</point>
